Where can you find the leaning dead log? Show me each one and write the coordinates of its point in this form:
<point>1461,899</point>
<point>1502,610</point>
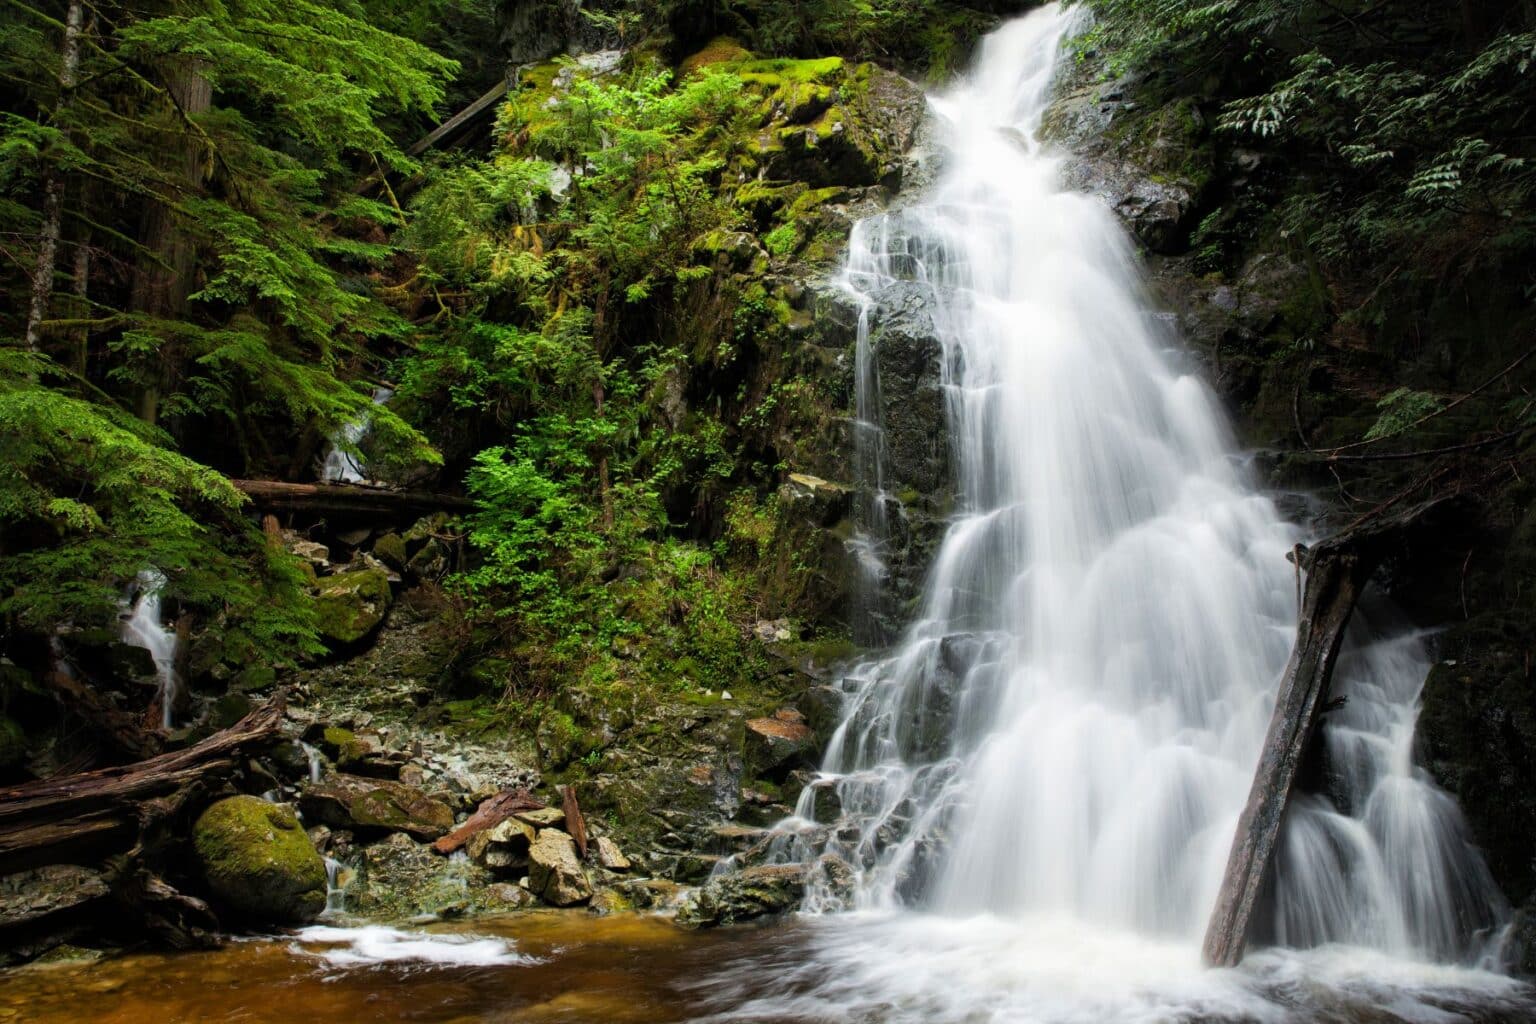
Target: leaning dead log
<point>340,498</point>
<point>1337,570</point>
<point>93,816</point>
<point>463,118</point>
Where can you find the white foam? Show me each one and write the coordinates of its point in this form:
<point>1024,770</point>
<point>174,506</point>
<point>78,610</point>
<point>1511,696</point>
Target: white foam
<point>380,944</point>
<point>1043,969</point>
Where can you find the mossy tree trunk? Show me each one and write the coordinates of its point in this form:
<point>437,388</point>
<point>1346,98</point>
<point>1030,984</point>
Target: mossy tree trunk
<point>162,282</point>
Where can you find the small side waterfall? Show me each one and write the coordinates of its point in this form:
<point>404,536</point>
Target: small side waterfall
<point>1071,724</point>
<point>142,627</point>
<point>337,878</point>
<point>342,466</point>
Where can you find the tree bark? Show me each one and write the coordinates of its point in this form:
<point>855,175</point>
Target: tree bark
<point>340,498</point>
<point>163,279</point>
<point>53,187</point>
<point>90,817</point>
<point>1337,571</point>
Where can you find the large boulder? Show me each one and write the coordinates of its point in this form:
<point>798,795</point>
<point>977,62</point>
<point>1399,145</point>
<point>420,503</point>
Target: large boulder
<point>554,873</point>
<point>258,862</point>
<point>776,744</point>
<point>350,605</point>
<point>375,805</point>
<point>753,892</point>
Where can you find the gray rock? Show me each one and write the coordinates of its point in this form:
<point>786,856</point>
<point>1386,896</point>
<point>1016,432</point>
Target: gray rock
<point>554,873</point>
<point>608,855</point>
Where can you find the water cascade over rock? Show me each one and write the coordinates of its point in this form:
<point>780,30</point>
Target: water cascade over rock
<point>343,466</point>
<point>142,627</point>
<point>1070,725</point>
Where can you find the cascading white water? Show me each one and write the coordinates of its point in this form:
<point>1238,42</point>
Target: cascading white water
<point>1070,727</point>
<point>342,466</point>
<point>142,627</point>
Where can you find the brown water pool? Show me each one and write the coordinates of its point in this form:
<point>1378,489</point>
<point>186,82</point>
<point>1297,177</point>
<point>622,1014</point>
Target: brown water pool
<point>574,967</point>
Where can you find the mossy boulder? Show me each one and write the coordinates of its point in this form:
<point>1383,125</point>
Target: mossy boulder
<point>350,605</point>
<point>754,892</point>
<point>391,550</point>
<point>13,742</point>
<point>258,862</point>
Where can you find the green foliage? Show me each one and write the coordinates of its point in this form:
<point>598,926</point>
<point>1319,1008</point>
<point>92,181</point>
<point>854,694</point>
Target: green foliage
<point>90,497</point>
<point>219,272</point>
<point>1401,409</point>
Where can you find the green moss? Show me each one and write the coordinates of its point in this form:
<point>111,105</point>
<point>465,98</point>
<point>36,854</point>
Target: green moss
<point>390,549</point>
<point>342,745</point>
<point>782,240</point>
<point>258,862</point>
<point>13,742</point>
<point>719,50</point>
<point>350,605</point>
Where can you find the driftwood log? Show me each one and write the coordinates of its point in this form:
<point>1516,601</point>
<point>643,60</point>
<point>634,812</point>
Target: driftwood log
<point>93,816</point>
<point>341,498</point>
<point>1337,571</point>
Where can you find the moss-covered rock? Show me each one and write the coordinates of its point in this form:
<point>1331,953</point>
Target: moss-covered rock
<point>743,895</point>
<point>350,605</point>
<point>375,806</point>
<point>258,862</point>
<point>399,878</point>
<point>391,550</point>
<point>13,742</point>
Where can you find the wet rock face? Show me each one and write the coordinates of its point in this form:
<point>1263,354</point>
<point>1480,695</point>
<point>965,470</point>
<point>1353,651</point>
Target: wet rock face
<point>1477,735</point>
<point>743,895</point>
<point>375,805</point>
<point>258,862</point>
<point>776,744</point>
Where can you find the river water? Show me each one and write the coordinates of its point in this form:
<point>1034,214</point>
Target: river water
<point>627,969</point>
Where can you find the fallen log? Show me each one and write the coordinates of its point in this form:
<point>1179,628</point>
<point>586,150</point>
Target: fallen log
<point>462,118</point>
<point>90,817</point>
<point>340,498</point>
<point>1337,570</point>
<point>491,812</point>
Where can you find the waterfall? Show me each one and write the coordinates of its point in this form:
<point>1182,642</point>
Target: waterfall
<point>341,465</point>
<point>142,627</point>
<point>1071,724</point>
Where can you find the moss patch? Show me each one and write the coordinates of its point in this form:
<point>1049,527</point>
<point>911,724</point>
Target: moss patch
<point>258,862</point>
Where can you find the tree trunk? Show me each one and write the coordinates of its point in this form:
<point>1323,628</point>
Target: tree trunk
<point>53,187</point>
<point>90,817</point>
<point>1337,570</point>
<point>342,498</point>
<point>163,279</point>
